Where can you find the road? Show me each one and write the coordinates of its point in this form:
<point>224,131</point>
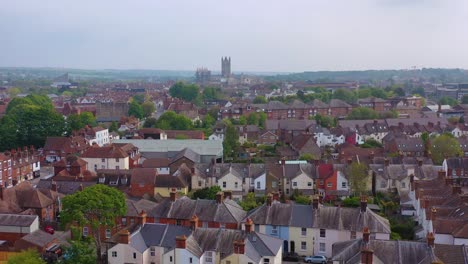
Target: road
<point>46,172</point>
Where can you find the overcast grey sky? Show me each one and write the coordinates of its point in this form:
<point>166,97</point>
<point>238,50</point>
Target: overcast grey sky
<point>270,35</point>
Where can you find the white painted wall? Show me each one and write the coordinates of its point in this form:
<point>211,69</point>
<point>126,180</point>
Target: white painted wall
<point>109,163</point>
<point>260,182</point>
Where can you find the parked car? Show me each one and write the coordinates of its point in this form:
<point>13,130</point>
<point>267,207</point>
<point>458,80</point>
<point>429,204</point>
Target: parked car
<point>316,259</point>
<point>291,256</point>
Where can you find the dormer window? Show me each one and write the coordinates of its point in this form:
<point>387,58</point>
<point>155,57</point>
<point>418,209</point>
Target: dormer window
<point>102,180</point>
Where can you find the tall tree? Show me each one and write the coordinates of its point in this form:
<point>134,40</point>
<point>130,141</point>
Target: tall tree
<point>8,133</point>
<point>358,178</point>
<point>135,109</point>
<point>172,121</point>
<point>148,108</point>
<point>231,140</point>
<point>345,95</point>
<point>80,251</point>
<point>443,146</point>
<point>96,206</point>
<point>187,92</point>
<point>260,100</point>
<point>362,113</point>
<point>207,193</point>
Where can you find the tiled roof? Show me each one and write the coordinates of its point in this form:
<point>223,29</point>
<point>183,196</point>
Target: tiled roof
<point>112,151</point>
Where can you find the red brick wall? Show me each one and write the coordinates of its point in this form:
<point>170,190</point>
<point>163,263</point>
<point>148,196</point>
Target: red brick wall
<point>139,191</point>
<point>11,237</point>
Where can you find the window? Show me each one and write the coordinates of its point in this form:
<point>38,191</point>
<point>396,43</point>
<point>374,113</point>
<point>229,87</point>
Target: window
<point>199,183</point>
<point>303,245</point>
<point>114,254</point>
<point>170,258</point>
<point>132,221</point>
<point>117,160</point>
<point>228,262</point>
<point>258,185</point>
<point>273,184</point>
<point>303,231</point>
<point>274,230</point>
<point>353,234</point>
<point>223,226</point>
<point>209,257</point>
<point>134,255</point>
<point>287,191</point>
<point>295,184</point>
<point>224,184</point>
<point>322,232</point>
<point>108,233</point>
<point>190,260</point>
<point>103,166</point>
<point>153,251</point>
<point>85,231</point>
<point>178,222</point>
<point>236,185</point>
<point>322,247</point>
<point>103,160</point>
<point>329,185</point>
<point>266,260</point>
<point>321,182</point>
<point>309,184</point>
<point>403,184</point>
<point>257,228</point>
<point>117,167</point>
<point>383,184</point>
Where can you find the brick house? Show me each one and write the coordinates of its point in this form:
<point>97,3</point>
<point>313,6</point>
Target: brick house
<point>143,181</point>
<point>56,148</point>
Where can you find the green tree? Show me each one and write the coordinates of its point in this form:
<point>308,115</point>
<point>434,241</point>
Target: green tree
<point>139,98</point>
<point>29,256</point>
<point>80,251</point>
<point>444,145</point>
<point>172,121</point>
<point>447,101</point>
<point>78,121</point>
<point>211,93</point>
<point>187,92</point>
<point>249,202</point>
<point>13,92</point>
<point>35,123</point>
<point>87,118</point>
<point>260,100</point>
<point>208,121</point>
<point>351,202</point>
<point>207,193</point>
<point>242,120</point>
<point>325,121</point>
<point>231,141</point>
<point>358,178</point>
<point>262,117</point>
<point>307,156</point>
<point>150,122</point>
<point>252,119</point>
<point>135,109</point>
<point>345,95</point>
<point>114,127</point>
<point>32,99</point>
<point>95,207</point>
<point>302,199</point>
<point>363,113</point>
<point>148,108</point>
<point>8,134</point>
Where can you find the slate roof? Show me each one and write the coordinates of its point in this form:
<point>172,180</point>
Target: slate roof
<point>151,234</point>
<point>64,187</point>
<point>187,153</point>
<point>207,210</point>
<point>328,217</point>
<point>395,251</point>
<point>201,147</point>
<point>17,220</point>
<point>39,238</point>
<point>143,176</point>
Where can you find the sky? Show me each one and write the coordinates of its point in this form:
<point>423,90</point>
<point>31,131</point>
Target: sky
<point>258,35</point>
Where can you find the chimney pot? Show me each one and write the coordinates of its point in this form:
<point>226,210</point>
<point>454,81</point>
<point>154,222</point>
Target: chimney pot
<point>430,239</point>
<point>172,195</point>
<point>315,203</point>
<point>248,225</point>
<point>366,234</point>
<point>363,204</point>
<point>219,197</point>
<point>269,199</point>
<point>367,256</point>
<point>194,222</point>
<point>142,217</point>
<point>433,214</point>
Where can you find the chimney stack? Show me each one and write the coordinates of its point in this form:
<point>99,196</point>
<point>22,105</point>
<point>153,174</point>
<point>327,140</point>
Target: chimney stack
<point>456,189</point>
<point>371,155</point>
<point>194,222</point>
<point>367,256</point>
<point>53,186</point>
<point>349,161</point>
<point>181,241</point>
<point>248,226</point>
<point>124,237</point>
<point>433,214</point>
<point>142,217</point>
<point>420,162</point>
<point>228,194</point>
<point>172,195</point>
<point>430,239</point>
<point>239,247</point>
<point>219,197</point>
<point>276,196</point>
<point>411,179</point>
<point>441,174</point>
<point>315,202</point>
<point>365,234</point>
<point>269,199</point>
<point>363,204</point>
<point>386,162</point>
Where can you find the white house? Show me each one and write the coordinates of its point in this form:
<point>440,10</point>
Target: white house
<point>109,157</point>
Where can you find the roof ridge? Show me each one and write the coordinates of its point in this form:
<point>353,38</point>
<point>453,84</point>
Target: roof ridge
<point>164,234</point>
